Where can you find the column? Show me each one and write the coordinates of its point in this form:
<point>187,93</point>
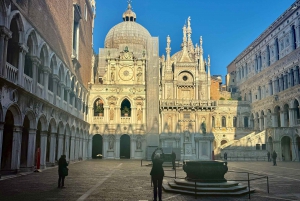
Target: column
<point>72,156</point>
<point>5,34</point>
<point>274,120</point>
<point>55,82</point>
<point>297,34</point>
<point>43,149</point>
<point>90,148</point>
<point>31,148</point>
<point>265,121</point>
<point>285,80</point>
<point>1,139</point>
<point>280,84</point>
<point>117,148</point>
<point>274,86</point>
<point>282,122</point>
<point>62,95</point>
<point>289,79</point>
<point>35,63</point>
<point>270,88</point>
<point>132,147</point>
<point>105,147</point>
<point>77,148</point>
<point>60,145</point>
<point>84,149</point>
<point>16,148</point>
<point>23,50</point>
<point>296,76</point>
<point>292,112</point>
<point>52,148</point>
<point>67,145</point>
<point>261,123</point>
<point>292,39</point>
<point>46,81</point>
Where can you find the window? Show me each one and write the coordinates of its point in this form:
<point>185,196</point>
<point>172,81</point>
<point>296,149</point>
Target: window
<point>186,115</point>
<point>223,121</point>
<point>246,122</point>
<point>232,80</point>
<point>234,122</point>
<point>257,146</point>
<point>263,147</point>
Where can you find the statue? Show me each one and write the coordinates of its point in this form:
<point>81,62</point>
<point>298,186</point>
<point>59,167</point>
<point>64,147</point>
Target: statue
<point>189,22</point>
<point>203,127</point>
<point>111,143</point>
<point>139,115</point>
<point>111,114</point>
<point>138,143</point>
<point>139,76</point>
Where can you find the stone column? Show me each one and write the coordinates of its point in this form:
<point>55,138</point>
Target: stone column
<point>52,148</point>
<point>282,122</point>
<point>197,146</point>
<point>296,76</point>
<point>1,139</point>
<point>35,63</point>
<point>292,112</point>
<point>84,157</point>
<point>261,123</point>
<point>274,86</point>
<point>90,147</point>
<point>16,148</point>
<point>77,148</point>
<point>288,79</point>
<point>265,121</point>
<point>274,120</point>
<point>270,88</point>
<point>5,35</point>
<point>47,70</point>
<point>60,145</point>
<point>292,39</point>
<point>62,95</point>
<point>54,87</point>
<point>117,148</point>
<point>23,50</point>
<point>280,84</point>
<point>43,149</point>
<point>72,156</point>
<point>67,145</point>
<point>105,146</point>
<point>132,147</point>
<point>31,148</point>
<point>285,80</point>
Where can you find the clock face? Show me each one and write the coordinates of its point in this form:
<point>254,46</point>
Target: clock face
<point>126,73</point>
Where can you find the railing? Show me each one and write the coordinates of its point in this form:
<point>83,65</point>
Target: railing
<point>65,105</point>
<point>192,103</point>
<point>40,90</point>
<point>246,158</point>
<point>50,96</point>
<point>98,119</point>
<point>28,83</point>
<point>11,73</point>
<point>125,120</point>
<point>58,99</point>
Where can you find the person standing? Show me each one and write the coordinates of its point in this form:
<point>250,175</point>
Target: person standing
<point>225,156</point>
<point>274,156</point>
<point>269,156</point>
<point>62,171</point>
<point>157,173</point>
<point>173,159</point>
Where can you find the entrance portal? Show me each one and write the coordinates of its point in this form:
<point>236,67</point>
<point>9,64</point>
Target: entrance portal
<point>286,148</point>
<point>125,146</point>
<point>97,146</point>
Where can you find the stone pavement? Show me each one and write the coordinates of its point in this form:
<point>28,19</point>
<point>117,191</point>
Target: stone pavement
<point>127,180</point>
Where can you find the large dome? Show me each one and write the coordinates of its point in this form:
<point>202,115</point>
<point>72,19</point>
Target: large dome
<point>127,32</point>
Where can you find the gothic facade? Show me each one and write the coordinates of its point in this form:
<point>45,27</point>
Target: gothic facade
<point>266,74</point>
<point>43,86</point>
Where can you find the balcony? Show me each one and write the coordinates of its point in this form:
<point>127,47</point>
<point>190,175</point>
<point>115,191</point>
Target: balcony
<point>11,73</point>
<point>58,99</point>
<point>125,120</point>
<point>50,97</point>
<point>192,104</point>
<point>28,83</point>
<point>40,90</point>
<point>98,119</point>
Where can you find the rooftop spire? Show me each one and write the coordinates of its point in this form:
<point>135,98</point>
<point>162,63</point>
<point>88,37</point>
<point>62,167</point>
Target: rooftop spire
<point>129,15</point>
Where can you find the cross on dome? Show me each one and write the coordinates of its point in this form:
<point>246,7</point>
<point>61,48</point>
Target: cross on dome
<point>129,15</point>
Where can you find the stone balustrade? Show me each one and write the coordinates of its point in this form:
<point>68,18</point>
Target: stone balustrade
<point>11,73</point>
<point>125,120</point>
<point>28,83</point>
<point>50,96</point>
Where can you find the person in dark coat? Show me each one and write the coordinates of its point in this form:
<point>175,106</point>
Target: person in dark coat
<point>269,156</point>
<point>157,173</point>
<point>173,159</point>
<point>274,156</point>
<point>62,165</point>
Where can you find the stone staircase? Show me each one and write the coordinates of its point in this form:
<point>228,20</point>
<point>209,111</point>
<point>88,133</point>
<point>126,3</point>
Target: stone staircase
<point>229,188</point>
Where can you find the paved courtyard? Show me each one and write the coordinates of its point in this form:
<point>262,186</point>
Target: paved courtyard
<point>127,180</point>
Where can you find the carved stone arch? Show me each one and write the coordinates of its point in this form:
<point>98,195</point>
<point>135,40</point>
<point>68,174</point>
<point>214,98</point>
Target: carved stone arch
<point>61,72</point>
<point>20,22</point>
<point>73,131</point>
<point>53,63</point>
<point>16,112</point>
<point>52,122</point>
<point>60,128</point>
<point>32,118</point>
<point>68,130</point>
<point>77,134</point>
<point>67,78</point>
<point>44,123</point>
<point>43,50</point>
<point>31,35</point>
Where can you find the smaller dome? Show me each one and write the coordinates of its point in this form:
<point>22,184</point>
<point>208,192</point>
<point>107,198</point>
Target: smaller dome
<point>129,15</point>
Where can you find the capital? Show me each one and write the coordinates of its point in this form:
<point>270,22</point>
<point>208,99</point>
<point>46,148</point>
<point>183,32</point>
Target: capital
<point>4,31</point>
<point>23,48</point>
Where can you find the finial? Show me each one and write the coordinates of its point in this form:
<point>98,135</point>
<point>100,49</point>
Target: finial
<point>208,60</point>
<point>200,41</point>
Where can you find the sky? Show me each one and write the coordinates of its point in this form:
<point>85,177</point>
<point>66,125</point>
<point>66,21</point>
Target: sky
<point>226,26</point>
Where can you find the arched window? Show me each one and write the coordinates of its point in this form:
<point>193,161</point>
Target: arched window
<point>125,108</point>
<point>213,123</point>
<point>234,122</point>
<point>98,107</point>
<point>246,122</point>
<point>223,121</point>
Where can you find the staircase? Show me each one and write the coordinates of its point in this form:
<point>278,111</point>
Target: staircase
<point>229,188</point>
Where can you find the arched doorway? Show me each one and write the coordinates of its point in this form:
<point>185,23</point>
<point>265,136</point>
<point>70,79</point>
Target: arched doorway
<point>24,143</point>
<point>97,145</point>
<point>125,146</point>
<point>270,143</point>
<point>223,142</point>
<point>286,148</point>
<point>7,141</point>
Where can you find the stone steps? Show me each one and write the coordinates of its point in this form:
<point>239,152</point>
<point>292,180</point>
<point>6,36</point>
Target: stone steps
<point>222,189</point>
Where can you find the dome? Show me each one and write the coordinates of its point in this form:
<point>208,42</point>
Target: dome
<point>127,32</point>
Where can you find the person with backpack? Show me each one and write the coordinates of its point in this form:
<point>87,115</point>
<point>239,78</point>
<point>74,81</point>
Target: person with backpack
<point>62,171</point>
<point>157,173</point>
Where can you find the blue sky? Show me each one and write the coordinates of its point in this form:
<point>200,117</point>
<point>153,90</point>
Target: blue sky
<point>227,26</point>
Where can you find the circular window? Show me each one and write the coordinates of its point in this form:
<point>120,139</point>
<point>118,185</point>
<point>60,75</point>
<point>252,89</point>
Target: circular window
<point>185,78</point>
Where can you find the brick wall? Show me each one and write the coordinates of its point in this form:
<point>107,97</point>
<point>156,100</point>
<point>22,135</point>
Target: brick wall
<point>53,20</point>
<point>215,89</point>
